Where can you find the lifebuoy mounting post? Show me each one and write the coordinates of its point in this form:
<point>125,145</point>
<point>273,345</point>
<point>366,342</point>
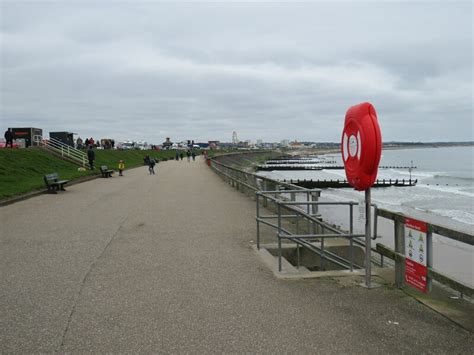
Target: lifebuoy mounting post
<point>361,149</point>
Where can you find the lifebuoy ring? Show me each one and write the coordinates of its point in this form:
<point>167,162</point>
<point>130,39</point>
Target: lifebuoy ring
<point>361,145</point>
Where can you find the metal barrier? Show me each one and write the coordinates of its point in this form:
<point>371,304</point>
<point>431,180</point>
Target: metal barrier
<point>283,196</point>
<point>398,255</point>
<point>62,149</point>
<point>268,190</point>
<point>316,228</point>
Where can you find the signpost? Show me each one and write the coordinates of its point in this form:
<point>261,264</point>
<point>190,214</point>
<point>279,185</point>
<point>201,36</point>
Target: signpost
<point>361,148</point>
<point>417,254</point>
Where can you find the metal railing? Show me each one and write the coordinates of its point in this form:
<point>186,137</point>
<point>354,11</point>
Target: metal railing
<point>398,255</point>
<point>283,195</point>
<point>316,230</point>
<point>62,149</point>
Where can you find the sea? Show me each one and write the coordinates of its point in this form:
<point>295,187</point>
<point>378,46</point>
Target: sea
<point>443,195</point>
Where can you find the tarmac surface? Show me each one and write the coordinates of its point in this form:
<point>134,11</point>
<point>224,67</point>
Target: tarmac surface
<point>163,263</point>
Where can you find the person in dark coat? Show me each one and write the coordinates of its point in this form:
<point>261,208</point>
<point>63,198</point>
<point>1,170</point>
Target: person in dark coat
<point>151,166</point>
<point>91,157</point>
<point>193,155</point>
<point>8,138</point>
<point>146,160</point>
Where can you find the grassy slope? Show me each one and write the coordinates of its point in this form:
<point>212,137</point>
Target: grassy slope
<point>22,170</point>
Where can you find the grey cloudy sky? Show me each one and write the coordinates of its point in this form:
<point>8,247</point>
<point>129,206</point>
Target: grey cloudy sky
<point>271,71</point>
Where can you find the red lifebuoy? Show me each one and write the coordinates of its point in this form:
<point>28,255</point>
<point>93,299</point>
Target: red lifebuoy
<point>361,145</point>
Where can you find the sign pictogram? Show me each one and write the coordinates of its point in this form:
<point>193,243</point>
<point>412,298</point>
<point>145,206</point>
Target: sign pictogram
<point>361,146</point>
<point>416,270</point>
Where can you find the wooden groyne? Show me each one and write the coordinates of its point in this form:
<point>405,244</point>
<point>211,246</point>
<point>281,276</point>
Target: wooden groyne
<point>270,167</point>
<point>322,184</point>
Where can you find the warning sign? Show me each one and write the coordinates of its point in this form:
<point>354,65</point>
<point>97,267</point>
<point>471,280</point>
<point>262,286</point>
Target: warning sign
<point>415,254</point>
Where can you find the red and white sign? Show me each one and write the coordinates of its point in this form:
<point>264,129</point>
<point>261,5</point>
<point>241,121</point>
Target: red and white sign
<point>416,271</point>
<point>361,146</point>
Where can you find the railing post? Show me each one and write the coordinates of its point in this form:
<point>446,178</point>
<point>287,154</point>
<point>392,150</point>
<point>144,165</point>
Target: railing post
<point>368,239</point>
<point>351,231</point>
<point>297,245</point>
<point>258,220</point>
<point>429,258</point>
<point>279,238</point>
<point>308,212</point>
<point>265,188</point>
<point>314,211</point>
<point>399,248</point>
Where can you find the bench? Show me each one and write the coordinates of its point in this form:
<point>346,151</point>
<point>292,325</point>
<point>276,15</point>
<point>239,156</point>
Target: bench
<point>53,183</point>
<point>105,171</point>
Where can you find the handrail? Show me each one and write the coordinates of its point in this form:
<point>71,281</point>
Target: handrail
<point>63,149</point>
<point>261,185</point>
<point>398,254</point>
<point>433,228</point>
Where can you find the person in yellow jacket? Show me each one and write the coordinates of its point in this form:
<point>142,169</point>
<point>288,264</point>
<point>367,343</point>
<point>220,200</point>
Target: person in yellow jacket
<point>121,167</point>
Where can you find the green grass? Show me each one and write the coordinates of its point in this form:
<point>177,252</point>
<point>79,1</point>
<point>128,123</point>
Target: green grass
<point>22,170</point>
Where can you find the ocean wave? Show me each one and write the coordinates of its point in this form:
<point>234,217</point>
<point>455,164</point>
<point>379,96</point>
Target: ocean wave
<point>448,189</point>
<point>456,177</point>
<point>414,174</point>
<point>460,216</point>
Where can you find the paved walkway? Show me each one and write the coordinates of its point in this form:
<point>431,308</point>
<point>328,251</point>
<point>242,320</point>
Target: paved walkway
<point>163,263</point>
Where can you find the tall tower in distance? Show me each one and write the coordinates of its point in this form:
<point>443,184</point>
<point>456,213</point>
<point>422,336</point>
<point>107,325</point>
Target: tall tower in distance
<point>235,140</point>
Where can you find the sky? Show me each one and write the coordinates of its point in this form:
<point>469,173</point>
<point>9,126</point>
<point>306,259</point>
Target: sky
<point>146,70</point>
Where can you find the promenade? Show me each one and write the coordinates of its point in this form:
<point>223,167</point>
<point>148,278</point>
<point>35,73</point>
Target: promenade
<point>164,263</point>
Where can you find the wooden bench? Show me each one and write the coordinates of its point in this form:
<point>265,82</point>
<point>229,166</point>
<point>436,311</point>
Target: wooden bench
<point>105,171</point>
<point>53,183</point>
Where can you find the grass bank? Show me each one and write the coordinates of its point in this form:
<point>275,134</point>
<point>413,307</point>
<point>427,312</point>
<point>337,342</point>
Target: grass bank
<point>22,170</point>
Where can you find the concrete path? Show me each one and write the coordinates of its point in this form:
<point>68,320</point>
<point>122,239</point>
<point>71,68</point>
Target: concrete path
<point>163,263</point>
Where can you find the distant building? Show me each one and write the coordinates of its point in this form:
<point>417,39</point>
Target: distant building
<point>32,136</point>
<point>296,145</point>
<point>235,140</point>
<point>63,137</point>
<point>167,144</point>
<point>214,144</point>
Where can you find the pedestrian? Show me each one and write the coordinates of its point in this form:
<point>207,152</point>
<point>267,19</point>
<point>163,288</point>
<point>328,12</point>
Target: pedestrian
<point>121,167</point>
<point>146,160</point>
<point>91,156</point>
<point>8,138</point>
<point>177,156</point>
<point>86,143</point>
<point>79,143</point>
<point>181,155</point>
<point>151,166</point>
<point>193,154</point>
<point>188,155</point>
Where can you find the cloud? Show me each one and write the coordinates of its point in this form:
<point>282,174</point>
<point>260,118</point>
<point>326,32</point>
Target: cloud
<point>269,71</point>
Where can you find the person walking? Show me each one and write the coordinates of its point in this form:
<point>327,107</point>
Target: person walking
<point>181,155</point>
<point>177,156</point>
<point>121,167</point>
<point>79,143</point>
<point>188,155</point>
<point>8,138</point>
<point>91,157</point>
<point>193,155</point>
<point>151,166</point>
